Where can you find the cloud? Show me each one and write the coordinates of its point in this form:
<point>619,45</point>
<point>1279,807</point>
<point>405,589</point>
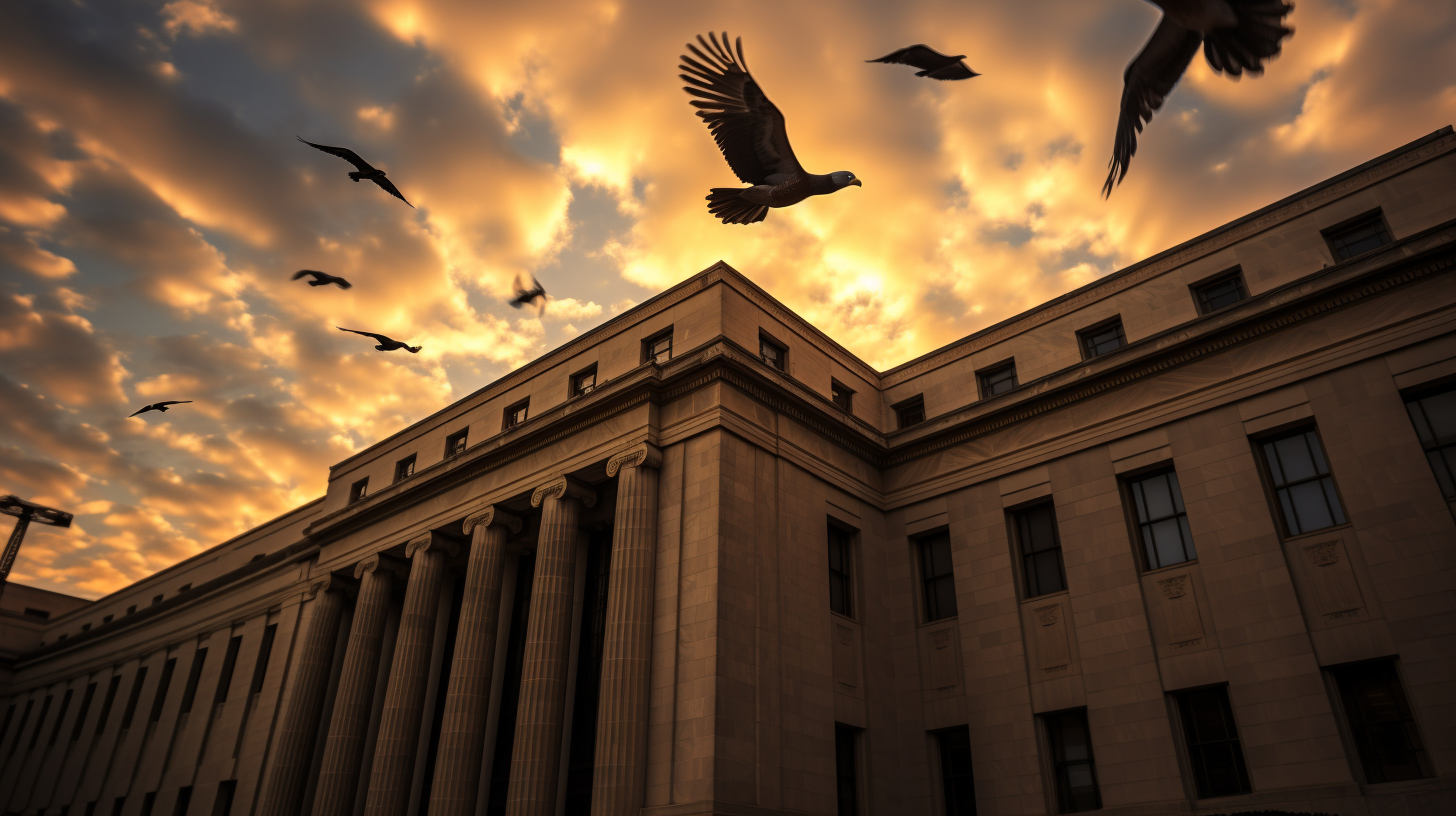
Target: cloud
<point>196,17</point>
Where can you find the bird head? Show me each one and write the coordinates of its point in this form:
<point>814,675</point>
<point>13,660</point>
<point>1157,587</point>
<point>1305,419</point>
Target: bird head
<point>844,178</point>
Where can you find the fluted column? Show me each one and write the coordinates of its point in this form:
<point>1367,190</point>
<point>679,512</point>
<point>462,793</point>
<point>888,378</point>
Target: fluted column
<point>404,700</point>
<point>344,750</point>
<point>462,733</point>
<point>299,729</point>
<point>620,776</point>
<point>536,757</point>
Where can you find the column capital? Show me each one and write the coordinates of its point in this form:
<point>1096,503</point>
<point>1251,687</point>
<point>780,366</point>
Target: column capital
<point>564,487</point>
<point>377,561</point>
<point>642,455</point>
<point>488,515</point>
<point>328,582</point>
<point>431,541</point>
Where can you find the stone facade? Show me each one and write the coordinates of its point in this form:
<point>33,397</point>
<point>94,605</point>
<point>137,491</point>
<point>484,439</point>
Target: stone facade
<point>623,605</point>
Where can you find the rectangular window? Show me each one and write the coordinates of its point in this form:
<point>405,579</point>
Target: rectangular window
<point>516,414</point>
<point>39,614</point>
<point>358,489</point>
<point>1041,550</point>
<point>5,728</point>
<point>955,771</point>
<point>658,348</point>
<point>184,801</point>
<point>840,583</point>
<point>772,353</point>
<point>1072,765</point>
<point>60,717</point>
<point>86,700</point>
<point>183,588</point>
<point>117,805</point>
<point>148,803</point>
<point>1297,470</point>
<point>194,676</point>
<point>584,382</point>
<point>1223,290</point>
<point>403,469</point>
<point>937,579</point>
<point>265,651</point>
<point>223,804</point>
<point>229,664</point>
<point>997,380</point>
<point>1434,415</point>
<point>1381,723</point>
<point>842,397</point>
<point>131,609</point>
<point>1214,753</point>
<point>910,412</point>
<point>20,729</point>
<point>455,443</point>
<point>85,627</point>
<point>1162,519</point>
<point>156,599</point>
<point>846,769</point>
<point>1102,338</point>
<point>133,698</point>
<point>107,702</point>
<point>106,619</point>
<point>1358,235</point>
<point>45,708</point>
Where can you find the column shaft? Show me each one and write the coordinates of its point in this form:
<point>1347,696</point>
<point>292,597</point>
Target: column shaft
<point>298,732</point>
<point>344,750</point>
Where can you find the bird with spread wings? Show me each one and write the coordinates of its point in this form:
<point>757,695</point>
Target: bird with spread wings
<point>531,296</point>
<point>385,343</point>
<point>159,406</point>
<point>321,278</point>
<point>363,169</point>
<point>932,63</point>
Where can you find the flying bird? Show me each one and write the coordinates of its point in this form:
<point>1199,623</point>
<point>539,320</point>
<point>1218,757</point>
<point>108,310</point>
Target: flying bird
<point>365,169</point>
<point>321,278</point>
<point>1236,35</point>
<point>750,131</point>
<point>385,343</point>
<point>160,406</point>
<point>934,64</point>
<point>524,295</point>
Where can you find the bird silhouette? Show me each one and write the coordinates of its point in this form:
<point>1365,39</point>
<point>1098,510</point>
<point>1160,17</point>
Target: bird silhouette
<point>1236,35</point>
<point>934,64</point>
<point>321,278</point>
<point>365,169</point>
<point>160,406</point>
<point>524,295</point>
<point>385,343</point>
<point>750,131</point>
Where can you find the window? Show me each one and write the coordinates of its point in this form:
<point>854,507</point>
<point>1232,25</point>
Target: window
<point>1041,551</point>
<point>117,805</point>
<point>910,412</point>
<point>257,557</point>
<point>106,618</point>
<point>156,599</point>
<point>1295,463</point>
<point>5,727</point>
<point>1434,415</point>
<point>840,583</point>
<point>86,700</point>
<point>1102,338</point>
<point>658,348</point>
<point>194,676</point>
<point>455,443</point>
<point>1072,765</point>
<point>358,489</point>
<point>846,771</point>
<point>1380,720</point>
<point>997,380</point>
<point>106,704</point>
<point>85,627</point>
<point>584,382</point>
<point>45,708</point>
<point>1224,290</point>
<point>133,698</point>
<point>403,469</point>
<point>265,651</point>
<point>131,609</point>
<point>1358,235</point>
<point>1162,520</point>
<point>1214,753</point>
<point>516,414</point>
<point>955,771</point>
<point>223,804</point>
<point>183,588</point>
<point>148,803</point>
<point>842,397</point>
<point>229,664</point>
<point>937,580</point>
<point>772,353</point>
<point>41,614</point>
<point>184,801</point>
<point>60,717</point>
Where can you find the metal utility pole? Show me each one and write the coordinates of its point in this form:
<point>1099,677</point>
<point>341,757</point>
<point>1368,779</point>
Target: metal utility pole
<point>25,512</point>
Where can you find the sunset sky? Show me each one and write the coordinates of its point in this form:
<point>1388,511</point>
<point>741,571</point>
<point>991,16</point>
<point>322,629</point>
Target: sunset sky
<point>154,202</point>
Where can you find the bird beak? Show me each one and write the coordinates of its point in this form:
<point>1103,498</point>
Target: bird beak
<point>856,183</point>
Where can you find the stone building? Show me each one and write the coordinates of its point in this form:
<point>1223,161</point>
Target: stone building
<point>1180,540</point>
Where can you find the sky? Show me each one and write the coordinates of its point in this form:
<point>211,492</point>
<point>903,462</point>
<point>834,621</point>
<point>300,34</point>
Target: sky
<point>154,202</point>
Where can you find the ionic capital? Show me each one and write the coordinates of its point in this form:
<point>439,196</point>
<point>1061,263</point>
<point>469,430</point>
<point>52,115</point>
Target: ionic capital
<point>430,541</point>
<point>489,515</point>
<point>328,582</point>
<point>564,488</point>
<point>643,455</point>
<point>379,561</point>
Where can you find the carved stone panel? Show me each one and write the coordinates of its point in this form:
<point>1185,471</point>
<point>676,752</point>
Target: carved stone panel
<point>1178,608</point>
<point>847,675</point>
<point>940,649</point>
<point>1050,633</point>
<point>1332,585</point>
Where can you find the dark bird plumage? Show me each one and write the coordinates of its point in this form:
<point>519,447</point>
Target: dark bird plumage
<point>385,343</point>
<point>321,278</point>
<point>160,406</point>
<point>364,170</point>
<point>751,132</point>
<point>932,63</point>
<point>1237,36</point>
<point>525,296</point>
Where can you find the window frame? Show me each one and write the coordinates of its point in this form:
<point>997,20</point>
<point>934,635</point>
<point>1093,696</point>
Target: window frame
<point>508,420</point>
<point>984,375</point>
<point>1021,556</point>
<point>1272,488</point>
<point>946,781</point>
<point>846,575</point>
<point>847,405</point>
<point>1192,756</point>
<point>1350,730</point>
<point>574,386</point>
<point>906,407</point>
<point>766,339</point>
<point>1197,288</point>
<point>1050,727</point>
<point>1127,483</point>
<point>932,609</point>
<point>1412,397</point>
<point>1377,215</point>
<point>359,490</point>
<point>650,341</point>
<point>456,443</point>
<point>1084,335</point>
<point>847,734</point>
<point>405,468</point>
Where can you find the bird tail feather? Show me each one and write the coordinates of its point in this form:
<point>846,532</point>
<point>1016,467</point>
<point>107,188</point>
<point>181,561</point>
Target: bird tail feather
<point>1255,39</point>
<point>728,204</point>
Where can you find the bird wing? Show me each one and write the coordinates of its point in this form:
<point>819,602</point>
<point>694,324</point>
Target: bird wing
<point>1257,37</point>
<point>174,402</point>
<point>1149,79</point>
<point>920,56</point>
<point>143,410</point>
<point>343,284</point>
<point>378,338</point>
<point>303,273</point>
<point>342,152</point>
<point>748,128</point>
<point>391,189</point>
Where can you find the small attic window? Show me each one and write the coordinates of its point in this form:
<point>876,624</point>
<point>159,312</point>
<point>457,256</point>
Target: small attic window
<point>32,612</point>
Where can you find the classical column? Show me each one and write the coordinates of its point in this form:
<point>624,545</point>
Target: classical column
<point>620,775</point>
<point>404,700</point>
<point>299,729</point>
<point>536,757</point>
<point>462,733</point>
<point>344,750</point>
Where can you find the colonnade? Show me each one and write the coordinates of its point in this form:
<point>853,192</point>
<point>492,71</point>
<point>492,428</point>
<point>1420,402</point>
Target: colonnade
<point>537,754</point>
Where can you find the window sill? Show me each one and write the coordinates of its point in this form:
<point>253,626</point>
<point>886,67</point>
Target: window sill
<point>938,621</point>
<point>1036,598</point>
<point>1157,570</point>
<point>1349,525</point>
<point>845,617</point>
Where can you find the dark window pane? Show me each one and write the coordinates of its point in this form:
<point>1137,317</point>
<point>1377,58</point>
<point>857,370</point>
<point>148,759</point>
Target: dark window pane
<point>133,698</point>
<point>1103,339</point>
<point>1302,482</point>
<point>846,770</point>
<point>1214,752</point>
<point>1041,552</point>
<point>998,380</point>
<point>229,664</point>
<point>1075,771</point>
<point>1162,519</point>
<point>1358,236</point>
<point>404,468</point>
<point>1434,417</point>
<point>167,671</point>
<point>107,702</point>
<point>841,396</point>
<point>839,571</point>
<point>455,443</point>
<point>955,771</point>
<point>358,489</point>
<point>189,691</point>
<point>770,353</point>
<point>911,412</point>
<point>265,651</point>
<point>85,709</point>
<point>938,579</point>
<point>1381,722</point>
<point>1216,294</point>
